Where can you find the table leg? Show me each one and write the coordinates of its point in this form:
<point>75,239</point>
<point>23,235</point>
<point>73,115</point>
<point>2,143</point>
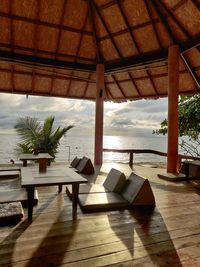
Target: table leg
<point>59,188</point>
<point>25,163</point>
<point>30,200</point>
<point>75,190</point>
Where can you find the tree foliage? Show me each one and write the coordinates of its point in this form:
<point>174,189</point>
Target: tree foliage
<point>36,137</point>
<point>189,123</point>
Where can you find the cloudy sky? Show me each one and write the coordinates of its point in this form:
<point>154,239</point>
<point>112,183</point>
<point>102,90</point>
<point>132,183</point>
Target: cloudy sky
<point>135,118</point>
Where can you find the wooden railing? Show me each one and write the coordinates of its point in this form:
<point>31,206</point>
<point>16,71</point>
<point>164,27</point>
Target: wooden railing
<point>145,151</point>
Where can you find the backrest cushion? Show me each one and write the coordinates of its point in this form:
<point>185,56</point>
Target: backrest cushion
<point>138,190</point>
<point>85,166</point>
<point>75,162</point>
<point>115,181</point>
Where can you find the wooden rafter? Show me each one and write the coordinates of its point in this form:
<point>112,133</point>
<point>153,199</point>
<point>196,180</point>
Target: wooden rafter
<point>134,41</point>
<point>58,42</point>
<point>43,23</point>
<point>108,31</point>
<point>48,53</point>
<point>193,75</point>
<point>86,85</point>
<point>45,75</point>
<point>78,49</point>
<point>195,2</point>
<point>96,42</point>
<point>35,41</point>
<point>11,42</point>
<point>117,65</point>
<point>164,21</point>
<point>118,85</point>
<point>134,84</point>
<point>168,11</point>
<point>153,25</point>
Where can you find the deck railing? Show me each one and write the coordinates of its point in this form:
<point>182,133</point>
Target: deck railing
<point>145,151</point>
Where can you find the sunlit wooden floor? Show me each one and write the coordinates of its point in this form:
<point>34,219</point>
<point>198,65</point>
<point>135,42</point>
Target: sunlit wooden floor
<point>168,236</point>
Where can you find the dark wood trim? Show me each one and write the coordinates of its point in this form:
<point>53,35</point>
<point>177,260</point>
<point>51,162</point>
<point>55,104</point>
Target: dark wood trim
<point>125,63</point>
<point>196,4</point>
<point>52,54</point>
<point>118,85</point>
<point>134,41</point>
<point>60,28</point>
<point>108,31</point>
<point>16,57</point>
<point>56,76</point>
<point>42,23</point>
<point>115,99</point>
<point>96,42</point>
<point>134,84</point>
<point>164,21</point>
<point>153,25</point>
<point>169,13</point>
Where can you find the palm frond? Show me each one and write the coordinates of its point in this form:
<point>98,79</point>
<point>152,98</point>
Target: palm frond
<point>28,129</point>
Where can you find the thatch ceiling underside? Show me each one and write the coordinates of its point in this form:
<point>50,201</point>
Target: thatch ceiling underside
<point>51,48</point>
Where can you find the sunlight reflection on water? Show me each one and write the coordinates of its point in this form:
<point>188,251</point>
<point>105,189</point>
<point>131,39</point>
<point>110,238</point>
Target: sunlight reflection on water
<point>80,146</point>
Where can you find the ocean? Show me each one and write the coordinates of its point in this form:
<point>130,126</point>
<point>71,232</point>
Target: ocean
<point>83,145</point>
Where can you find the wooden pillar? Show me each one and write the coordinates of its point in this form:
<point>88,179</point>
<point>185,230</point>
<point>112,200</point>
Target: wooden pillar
<point>173,89</point>
<point>100,88</point>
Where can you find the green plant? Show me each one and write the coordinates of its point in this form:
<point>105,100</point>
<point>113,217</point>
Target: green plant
<point>189,124</point>
<point>36,137</point>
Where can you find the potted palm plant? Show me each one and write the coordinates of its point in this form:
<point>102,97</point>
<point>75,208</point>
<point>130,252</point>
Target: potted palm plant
<point>37,138</point>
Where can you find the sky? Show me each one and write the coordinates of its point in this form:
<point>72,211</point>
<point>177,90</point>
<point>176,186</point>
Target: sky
<point>130,118</point>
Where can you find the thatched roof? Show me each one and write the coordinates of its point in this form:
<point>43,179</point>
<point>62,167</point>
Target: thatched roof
<point>51,48</point>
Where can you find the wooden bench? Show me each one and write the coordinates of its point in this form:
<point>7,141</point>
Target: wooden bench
<point>10,168</point>
<point>9,174</point>
<point>187,165</point>
<point>16,195</point>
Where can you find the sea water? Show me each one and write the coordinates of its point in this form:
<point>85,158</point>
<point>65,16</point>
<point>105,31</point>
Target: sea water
<point>83,145</point>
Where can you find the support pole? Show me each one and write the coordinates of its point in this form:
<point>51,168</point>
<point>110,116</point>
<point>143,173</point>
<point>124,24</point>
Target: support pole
<point>173,89</point>
<point>100,88</point>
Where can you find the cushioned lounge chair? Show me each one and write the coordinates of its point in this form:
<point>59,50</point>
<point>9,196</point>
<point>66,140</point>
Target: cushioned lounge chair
<point>114,182</point>
<point>136,191</point>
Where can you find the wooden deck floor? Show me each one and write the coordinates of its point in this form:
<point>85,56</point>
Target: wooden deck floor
<point>168,236</point>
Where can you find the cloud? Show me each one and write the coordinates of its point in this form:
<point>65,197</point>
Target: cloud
<point>128,116</point>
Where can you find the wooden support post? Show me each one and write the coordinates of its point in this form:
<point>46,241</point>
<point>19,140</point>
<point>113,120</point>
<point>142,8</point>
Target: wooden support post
<point>131,160</point>
<point>173,89</point>
<point>100,88</point>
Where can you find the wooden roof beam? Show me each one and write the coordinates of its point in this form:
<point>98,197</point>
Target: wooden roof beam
<point>122,64</point>
<point>96,42</point>
<point>47,62</point>
<point>108,31</point>
<point>134,41</point>
<point>42,23</point>
<point>164,21</point>
<point>149,58</point>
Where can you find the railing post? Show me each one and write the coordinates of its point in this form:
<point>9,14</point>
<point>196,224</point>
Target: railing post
<point>131,160</point>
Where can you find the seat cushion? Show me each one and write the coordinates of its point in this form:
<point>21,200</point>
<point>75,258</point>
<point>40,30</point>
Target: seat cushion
<point>87,189</point>
<point>11,211</point>
<point>101,201</point>
<point>16,195</point>
<point>115,181</point>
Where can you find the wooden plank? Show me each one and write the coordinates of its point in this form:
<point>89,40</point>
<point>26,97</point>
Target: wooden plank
<point>169,235</point>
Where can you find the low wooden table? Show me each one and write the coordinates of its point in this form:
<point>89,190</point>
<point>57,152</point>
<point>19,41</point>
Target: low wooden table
<point>187,165</point>
<point>42,157</point>
<point>55,175</point>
